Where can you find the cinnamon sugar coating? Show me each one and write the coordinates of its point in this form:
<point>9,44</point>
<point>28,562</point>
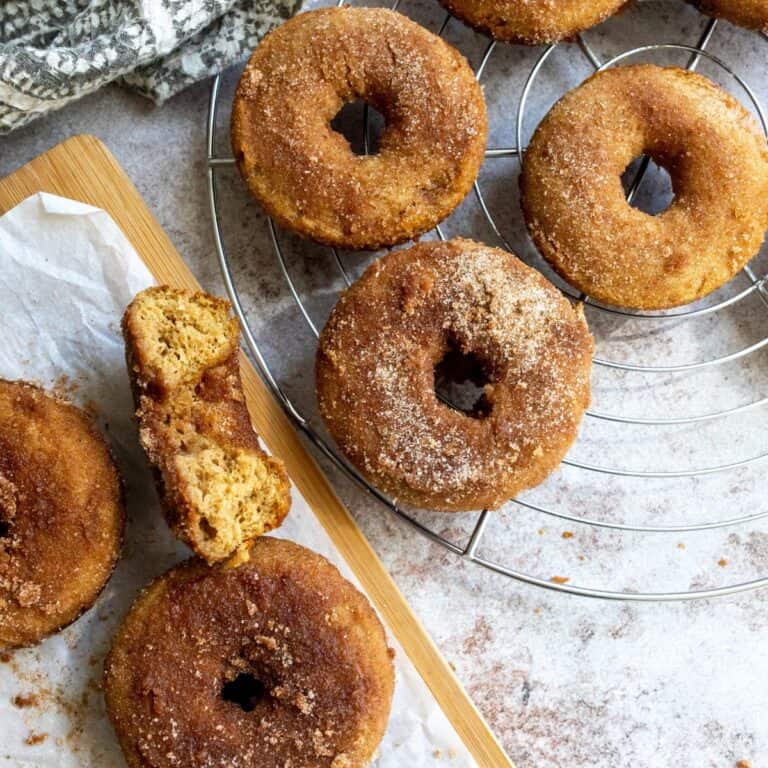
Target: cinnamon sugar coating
<point>574,202</point>
<point>532,22</point>
<point>752,14</point>
<point>61,514</point>
<point>376,366</point>
<point>305,174</point>
<point>286,618</point>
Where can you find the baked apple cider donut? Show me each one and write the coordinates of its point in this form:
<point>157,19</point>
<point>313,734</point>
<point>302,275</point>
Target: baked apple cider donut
<point>306,175</point>
<point>575,206</point>
<point>219,489</point>
<point>61,513</point>
<point>275,662</point>
<point>752,14</point>
<point>532,22</point>
<point>409,313</point>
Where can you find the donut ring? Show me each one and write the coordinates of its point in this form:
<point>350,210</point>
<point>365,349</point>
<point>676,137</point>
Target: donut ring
<point>532,22</point>
<point>61,514</point>
<point>574,203</point>
<point>305,174</point>
<point>302,642</point>
<point>752,14</point>
<point>376,366</point>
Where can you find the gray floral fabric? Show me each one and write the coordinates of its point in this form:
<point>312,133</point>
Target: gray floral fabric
<point>55,51</point>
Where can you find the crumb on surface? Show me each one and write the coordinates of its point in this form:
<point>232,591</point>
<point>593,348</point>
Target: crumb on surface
<point>24,700</point>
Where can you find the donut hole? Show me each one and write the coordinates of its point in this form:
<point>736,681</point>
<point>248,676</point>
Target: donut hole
<point>5,529</point>
<point>656,192</point>
<point>460,380</point>
<point>350,123</point>
<point>245,691</point>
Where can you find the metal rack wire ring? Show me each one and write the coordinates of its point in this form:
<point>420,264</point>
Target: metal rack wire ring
<point>469,550</point>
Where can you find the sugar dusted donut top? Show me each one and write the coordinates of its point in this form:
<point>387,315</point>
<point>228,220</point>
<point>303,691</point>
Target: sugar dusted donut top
<point>305,174</point>
<point>375,374</point>
<point>532,22</point>
<point>321,674</point>
<point>575,206</point>
<point>61,513</point>
<point>752,14</point>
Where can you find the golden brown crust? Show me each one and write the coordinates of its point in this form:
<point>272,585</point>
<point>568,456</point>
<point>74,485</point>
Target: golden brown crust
<point>305,174</point>
<point>752,14</point>
<point>574,202</point>
<point>375,375</point>
<point>61,513</point>
<point>532,22</point>
<point>219,489</point>
<point>288,619</point>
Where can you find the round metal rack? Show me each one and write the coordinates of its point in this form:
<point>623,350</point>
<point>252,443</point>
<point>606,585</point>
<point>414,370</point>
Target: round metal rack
<point>758,287</point>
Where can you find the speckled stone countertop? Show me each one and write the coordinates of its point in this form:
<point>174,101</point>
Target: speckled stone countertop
<point>564,681</point>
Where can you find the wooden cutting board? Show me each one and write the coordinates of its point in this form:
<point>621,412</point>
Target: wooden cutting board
<point>83,169</point>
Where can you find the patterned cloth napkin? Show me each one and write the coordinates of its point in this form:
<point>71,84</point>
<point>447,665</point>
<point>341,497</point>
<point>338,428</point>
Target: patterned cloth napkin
<point>55,51</point>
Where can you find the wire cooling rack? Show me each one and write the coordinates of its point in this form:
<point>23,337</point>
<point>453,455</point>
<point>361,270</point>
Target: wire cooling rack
<point>605,322</point>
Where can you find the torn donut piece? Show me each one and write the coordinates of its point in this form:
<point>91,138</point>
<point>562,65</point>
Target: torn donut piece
<point>219,489</point>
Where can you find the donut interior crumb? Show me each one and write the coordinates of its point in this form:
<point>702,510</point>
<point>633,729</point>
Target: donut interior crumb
<point>236,495</point>
<point>220,489</point>
<point>181,334</point>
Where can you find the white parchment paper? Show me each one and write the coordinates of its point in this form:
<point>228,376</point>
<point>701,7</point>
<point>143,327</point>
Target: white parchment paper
<point>66,274</point>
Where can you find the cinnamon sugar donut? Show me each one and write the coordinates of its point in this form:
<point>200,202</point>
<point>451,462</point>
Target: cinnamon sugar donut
<point>61,514</point>
<point>276,662</point>
<point>305,174</point>
<point>376,364</point>
<point>218,488</point>
<point>752,14</point>
<point>574,203</point>
<point>532,22</point>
